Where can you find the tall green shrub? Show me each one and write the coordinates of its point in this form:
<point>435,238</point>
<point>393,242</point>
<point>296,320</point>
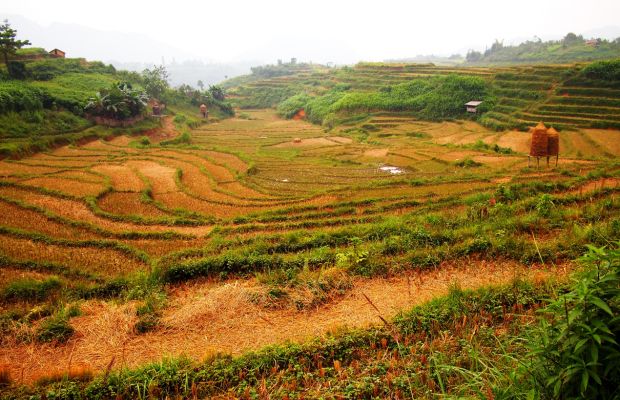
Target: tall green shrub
<point>603,70</point>
<point>577,350</point>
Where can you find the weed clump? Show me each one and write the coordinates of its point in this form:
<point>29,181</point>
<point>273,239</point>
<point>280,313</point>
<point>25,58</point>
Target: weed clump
<point>30,289</point>
<point>56,328</point>
<point>467,163</point>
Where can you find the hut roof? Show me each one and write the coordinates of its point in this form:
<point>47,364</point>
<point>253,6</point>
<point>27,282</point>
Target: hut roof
<point>473,103</point>
<point>541,126</point>
<point>552,132</point>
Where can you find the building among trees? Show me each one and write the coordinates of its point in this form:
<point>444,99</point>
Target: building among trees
<point>57,53</point>
<point>472,106</point>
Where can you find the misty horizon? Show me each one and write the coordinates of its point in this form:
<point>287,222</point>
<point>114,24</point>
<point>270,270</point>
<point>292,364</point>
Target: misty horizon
<point>249,33</point>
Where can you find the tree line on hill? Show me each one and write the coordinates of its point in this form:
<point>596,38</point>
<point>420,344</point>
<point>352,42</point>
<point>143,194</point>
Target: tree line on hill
<point>569,49</point>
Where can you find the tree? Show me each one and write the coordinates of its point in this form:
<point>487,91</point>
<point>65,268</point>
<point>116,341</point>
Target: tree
<point>495,47</point>
<point>8,44</point>
<point>217,92</point>
<point>201,85</point>
<point>155,81</point>
<point>473,56</point>
<point>17,69</point>
<point>571,38</point>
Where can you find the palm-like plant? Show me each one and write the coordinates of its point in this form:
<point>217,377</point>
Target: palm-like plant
<point>120,101</point>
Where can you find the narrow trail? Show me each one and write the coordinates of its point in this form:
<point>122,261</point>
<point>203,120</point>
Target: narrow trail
<point>165,132</point>
<point>207,318</point>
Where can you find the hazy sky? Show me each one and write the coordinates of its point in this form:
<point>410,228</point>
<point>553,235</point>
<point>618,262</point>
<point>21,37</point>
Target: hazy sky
<point>325,30</point>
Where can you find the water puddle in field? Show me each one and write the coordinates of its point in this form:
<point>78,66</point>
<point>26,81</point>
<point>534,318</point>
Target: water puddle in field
<point>392,170</point>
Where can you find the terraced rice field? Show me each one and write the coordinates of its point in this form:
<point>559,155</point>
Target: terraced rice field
<point>525,95</point>
<point>296,217</point>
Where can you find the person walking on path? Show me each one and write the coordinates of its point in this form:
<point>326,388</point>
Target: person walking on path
<point>204,111</point>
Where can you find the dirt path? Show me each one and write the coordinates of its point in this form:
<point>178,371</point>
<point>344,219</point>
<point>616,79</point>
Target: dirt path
<point>206,318</point>
<point>166,132</point>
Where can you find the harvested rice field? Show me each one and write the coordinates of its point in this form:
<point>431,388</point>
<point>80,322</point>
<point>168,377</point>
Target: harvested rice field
<point>265,231</point>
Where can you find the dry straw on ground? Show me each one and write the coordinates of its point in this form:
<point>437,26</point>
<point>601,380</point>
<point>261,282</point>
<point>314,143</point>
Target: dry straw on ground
<point>206,318</point>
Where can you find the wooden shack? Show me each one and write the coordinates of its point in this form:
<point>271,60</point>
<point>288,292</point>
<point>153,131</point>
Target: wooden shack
<point>472,106</point>
<point>57,53</point>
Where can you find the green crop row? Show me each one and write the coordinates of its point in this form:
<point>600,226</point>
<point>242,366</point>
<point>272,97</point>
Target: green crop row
<point>586,101</point>
<point>527,85</point>
<point>579,109</point>
<point>588,91</point>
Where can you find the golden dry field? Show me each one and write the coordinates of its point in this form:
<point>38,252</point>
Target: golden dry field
<point>265,230</point>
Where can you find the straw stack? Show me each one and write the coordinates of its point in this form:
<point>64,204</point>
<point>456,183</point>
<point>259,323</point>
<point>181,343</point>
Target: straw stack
<point>540,141</point>
<point>553,142</point>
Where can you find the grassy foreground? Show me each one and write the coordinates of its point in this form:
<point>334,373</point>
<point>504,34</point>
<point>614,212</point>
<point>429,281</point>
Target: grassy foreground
<point>510,342</point>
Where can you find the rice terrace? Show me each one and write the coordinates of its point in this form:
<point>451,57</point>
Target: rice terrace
<point>312,231</point>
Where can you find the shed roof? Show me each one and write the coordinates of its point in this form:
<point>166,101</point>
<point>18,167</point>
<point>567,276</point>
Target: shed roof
<point>473,103</point>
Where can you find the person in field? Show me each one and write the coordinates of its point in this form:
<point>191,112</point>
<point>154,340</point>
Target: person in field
<point>204,111</point>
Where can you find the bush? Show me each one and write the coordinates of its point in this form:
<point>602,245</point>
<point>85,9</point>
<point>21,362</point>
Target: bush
<point>20,96</point>
<point>35,124</point>
<point>183,138</point>
<point>467,163</point>
<point>30,289</point>
<point>435,98</point>
<point>17,70</point>
<point>44,70</point>
<point>603,70</point>
<point>291,106</point>
<point>576,352</point>
<point>545,205</point>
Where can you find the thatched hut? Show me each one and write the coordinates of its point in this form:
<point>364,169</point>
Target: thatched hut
<point>553,142</point>
<point>553,145</point>
<point>540,140</point>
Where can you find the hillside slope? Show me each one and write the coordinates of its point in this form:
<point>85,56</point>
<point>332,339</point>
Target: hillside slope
<point>565,96</point>
<point>570,49</point>
<point>42,101</point>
